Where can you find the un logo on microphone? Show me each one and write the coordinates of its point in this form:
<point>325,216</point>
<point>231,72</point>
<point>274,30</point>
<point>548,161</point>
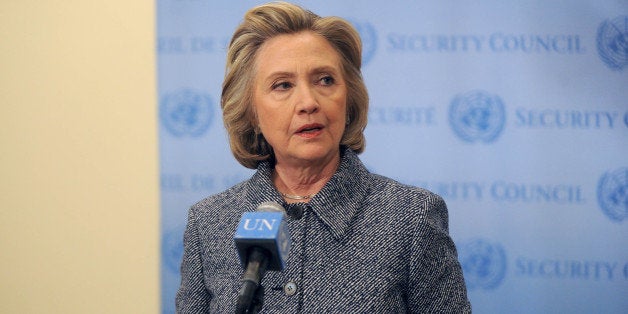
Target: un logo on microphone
<point>186,112</point>
<point>612,194</point>
<point>477,116</point>
<point>369,40</point>
<point>612,42</point>
<point>483,264</point>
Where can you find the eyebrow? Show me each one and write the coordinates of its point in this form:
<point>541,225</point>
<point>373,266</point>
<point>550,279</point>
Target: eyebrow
<point>317,70</point>
<point>287,74</point>
<point>279,74</point>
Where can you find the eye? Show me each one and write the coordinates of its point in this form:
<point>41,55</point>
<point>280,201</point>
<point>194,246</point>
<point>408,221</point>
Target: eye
<point>327,80</point>
<point>282,86</point>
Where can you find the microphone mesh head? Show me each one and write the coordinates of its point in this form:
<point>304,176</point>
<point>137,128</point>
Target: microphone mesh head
<point>270,207</point>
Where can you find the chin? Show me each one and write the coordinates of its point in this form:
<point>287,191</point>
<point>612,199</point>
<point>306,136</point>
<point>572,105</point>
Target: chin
<point>313,153</point>
<point>326,152</point>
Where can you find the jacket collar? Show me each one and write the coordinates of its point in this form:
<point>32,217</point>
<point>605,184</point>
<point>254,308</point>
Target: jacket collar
<point>335,205</point>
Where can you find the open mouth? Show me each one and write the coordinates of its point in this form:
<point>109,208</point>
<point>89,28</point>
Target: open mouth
<point>310,128</point>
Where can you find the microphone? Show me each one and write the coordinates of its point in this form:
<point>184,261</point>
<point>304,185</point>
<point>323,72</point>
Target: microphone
<point>263,243</point>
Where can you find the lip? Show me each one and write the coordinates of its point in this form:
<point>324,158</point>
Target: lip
<point>314,129</point>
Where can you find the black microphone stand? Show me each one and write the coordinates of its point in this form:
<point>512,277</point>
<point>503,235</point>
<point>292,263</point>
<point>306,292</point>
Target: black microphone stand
<point>258,301</point>
<point>251,294</point>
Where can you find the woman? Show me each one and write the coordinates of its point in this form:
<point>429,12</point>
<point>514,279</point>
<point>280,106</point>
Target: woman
<point>295,108</point>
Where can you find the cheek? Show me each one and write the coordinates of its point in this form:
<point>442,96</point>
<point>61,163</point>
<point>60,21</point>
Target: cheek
<point>262,115</point>
<point>273,120</point>
<point>340,118</point>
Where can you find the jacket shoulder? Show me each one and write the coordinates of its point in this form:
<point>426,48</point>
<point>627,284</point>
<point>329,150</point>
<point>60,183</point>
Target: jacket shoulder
<point>393,189</point>
<point>414,203</point>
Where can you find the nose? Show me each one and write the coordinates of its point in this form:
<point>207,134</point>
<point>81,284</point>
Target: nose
<point>306,100</point>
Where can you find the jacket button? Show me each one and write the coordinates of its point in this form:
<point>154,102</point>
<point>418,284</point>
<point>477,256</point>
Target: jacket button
<point>290,288</point>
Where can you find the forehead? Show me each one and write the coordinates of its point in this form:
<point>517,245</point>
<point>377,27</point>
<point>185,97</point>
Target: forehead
<point>291,52</point>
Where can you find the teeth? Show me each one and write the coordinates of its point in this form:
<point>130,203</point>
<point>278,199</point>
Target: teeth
<point>310,129</point>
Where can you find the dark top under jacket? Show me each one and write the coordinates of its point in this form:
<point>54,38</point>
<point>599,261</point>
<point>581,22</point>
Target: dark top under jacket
<point>363,244</point>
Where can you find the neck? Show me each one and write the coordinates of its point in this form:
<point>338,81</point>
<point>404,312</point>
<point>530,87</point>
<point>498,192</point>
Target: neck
<point>299,183</point>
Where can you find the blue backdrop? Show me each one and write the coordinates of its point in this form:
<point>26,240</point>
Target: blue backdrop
<point>516,112</point>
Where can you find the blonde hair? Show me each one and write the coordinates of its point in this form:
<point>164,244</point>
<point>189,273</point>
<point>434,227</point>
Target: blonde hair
<point>260,24</point>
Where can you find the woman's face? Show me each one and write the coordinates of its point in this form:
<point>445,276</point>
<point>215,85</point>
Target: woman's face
<point>300,98</point>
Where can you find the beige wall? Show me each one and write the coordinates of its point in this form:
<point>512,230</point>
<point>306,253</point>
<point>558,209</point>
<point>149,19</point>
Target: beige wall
<point>79,212</point>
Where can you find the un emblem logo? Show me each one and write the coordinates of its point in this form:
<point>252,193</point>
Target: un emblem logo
<point>172,250</point>
<point>612,194</point>
<point>369,40</point>
<point>186,112</point>
<point>477,116</point>
<point>483,264</point>
<point>612,42</point>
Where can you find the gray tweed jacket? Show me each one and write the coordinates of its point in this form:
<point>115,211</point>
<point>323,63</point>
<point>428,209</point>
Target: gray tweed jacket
<point>363,244</point>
